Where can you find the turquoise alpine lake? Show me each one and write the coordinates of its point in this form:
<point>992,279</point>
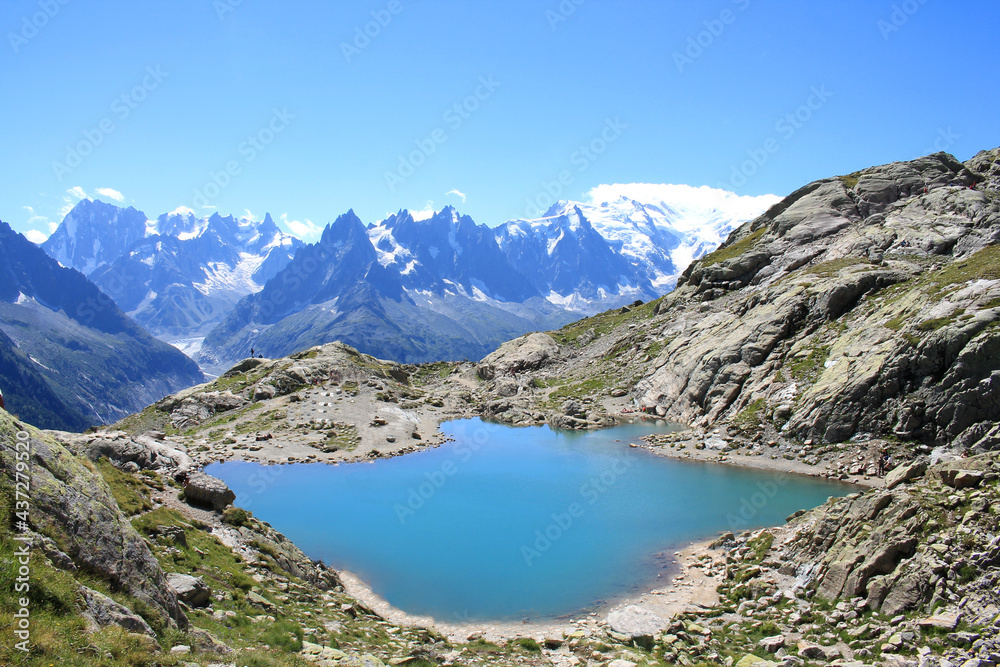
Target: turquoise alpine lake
<point>505,523</point>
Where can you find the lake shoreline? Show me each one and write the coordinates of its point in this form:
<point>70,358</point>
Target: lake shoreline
<point>682,586</point>
<point>688,588</point>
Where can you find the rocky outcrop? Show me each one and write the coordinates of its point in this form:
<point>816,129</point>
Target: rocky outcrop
<point>147,452</point>
<point>527,353</point>
<point>826,255</point>
<point>208,491</point>
<point>72,505</point>
<point>862,305</point>
<point>894,547</point>
<point>197,406</point>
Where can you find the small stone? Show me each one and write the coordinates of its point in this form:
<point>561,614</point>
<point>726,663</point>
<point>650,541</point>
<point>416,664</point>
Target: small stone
<point>180,649</point>
<point>772,644</point>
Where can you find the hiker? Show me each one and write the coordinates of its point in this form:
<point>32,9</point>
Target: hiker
<point>883,462</point>
<point>251,353</point>
<point>2,406</point>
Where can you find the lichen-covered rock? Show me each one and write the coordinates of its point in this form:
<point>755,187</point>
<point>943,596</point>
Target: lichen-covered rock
<point>72,505</point>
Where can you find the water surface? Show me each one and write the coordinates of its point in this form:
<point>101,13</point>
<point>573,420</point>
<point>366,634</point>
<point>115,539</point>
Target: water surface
<point>510,523</point>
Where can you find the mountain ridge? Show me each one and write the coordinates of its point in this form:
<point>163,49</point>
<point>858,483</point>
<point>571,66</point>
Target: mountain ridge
<point>96,363</point>
<point>441,273</point>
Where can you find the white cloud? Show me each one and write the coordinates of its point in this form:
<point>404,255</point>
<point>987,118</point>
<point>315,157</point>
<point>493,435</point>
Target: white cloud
<point>249,215</point>
<point>111,193</point>
<point>305,230</point>
<point>35,220</point>
<point>181,210</point>
<point>686,199</point>
<point>77,191</point>
<point>457,193</point>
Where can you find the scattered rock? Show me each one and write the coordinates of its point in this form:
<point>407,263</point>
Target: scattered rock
<point>772,644</point>
<point>202,489</point>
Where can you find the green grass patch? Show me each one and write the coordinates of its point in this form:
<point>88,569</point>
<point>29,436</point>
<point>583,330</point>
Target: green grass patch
<point>603,323</point>
<point>262,422</point>
<point>751,417</point>
<point>427,373</point>
<point>203,555</point>
<point>736,249</point>
<point>935,324</point>
<point>150,419</point>
<point>528,644</point>
<point>284,635</point>
<point>834,267</point>
<point>225,418</point>
<point>760,545</point>
<point>850,181</point>
<point>579,390</point>
<point>131,494</point>
<point>805,367</point>
<point>983,265</point>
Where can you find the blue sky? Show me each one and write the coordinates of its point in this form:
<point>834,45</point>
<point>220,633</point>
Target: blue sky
<point>283,108</point>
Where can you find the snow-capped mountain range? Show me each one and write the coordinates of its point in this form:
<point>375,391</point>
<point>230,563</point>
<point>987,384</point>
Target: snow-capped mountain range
<point>177,275</point>
<point>411,287</point>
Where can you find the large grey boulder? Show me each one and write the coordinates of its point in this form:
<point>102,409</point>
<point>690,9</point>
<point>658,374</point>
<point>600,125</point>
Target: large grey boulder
<point>193,591</point>
<point>526,353</point>
<point>961,479</point>
<point>205,490</point>
<point>641,625</point>
<point>905,473</point>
